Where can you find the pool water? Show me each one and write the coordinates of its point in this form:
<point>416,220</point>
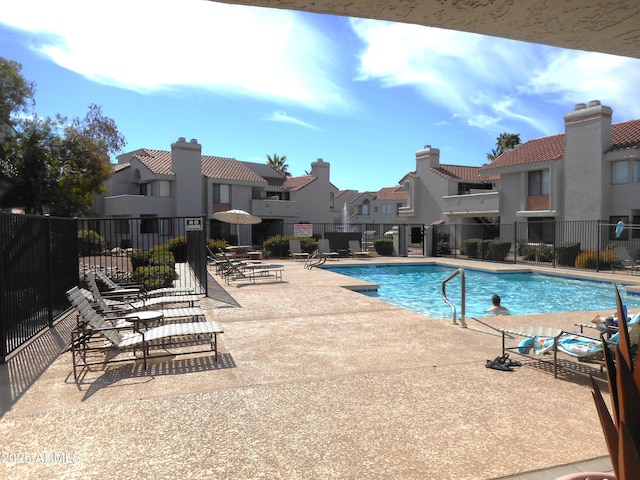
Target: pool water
<point>419,288</point>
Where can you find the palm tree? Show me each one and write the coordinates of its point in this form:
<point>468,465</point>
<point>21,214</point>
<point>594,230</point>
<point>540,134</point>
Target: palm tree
<point>278,164</point>
<point>506,141</point>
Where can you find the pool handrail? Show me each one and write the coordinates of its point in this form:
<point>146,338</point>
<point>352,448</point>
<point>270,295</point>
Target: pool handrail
<point>459,271</point>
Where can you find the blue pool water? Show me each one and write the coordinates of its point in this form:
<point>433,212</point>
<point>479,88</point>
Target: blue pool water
<point>419,288</point>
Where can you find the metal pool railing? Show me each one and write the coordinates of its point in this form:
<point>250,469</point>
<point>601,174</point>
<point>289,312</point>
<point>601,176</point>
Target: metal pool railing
<point>459,271</point>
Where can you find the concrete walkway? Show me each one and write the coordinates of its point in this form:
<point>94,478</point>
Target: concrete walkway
<point>315,382</point>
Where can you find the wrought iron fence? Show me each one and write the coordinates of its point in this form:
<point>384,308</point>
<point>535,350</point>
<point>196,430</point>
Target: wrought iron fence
<point>582,244</point>
<point>38,263</point>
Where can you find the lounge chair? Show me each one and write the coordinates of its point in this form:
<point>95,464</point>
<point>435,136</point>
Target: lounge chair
<point>295,250</point>
<point>136,302</point>
<point>132,337</point>
<point>625,261</point>
<point>547,340</point>
<point>324,249</point>
<point>112,288</point>
<point>356,251</point>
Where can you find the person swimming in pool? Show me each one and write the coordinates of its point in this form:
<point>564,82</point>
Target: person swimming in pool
<point>497,309</point>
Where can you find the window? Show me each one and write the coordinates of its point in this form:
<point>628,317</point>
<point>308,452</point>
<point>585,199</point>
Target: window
<point>221,193</point>
<point>364,208</point>
<point>164,188</point>
<point>153,225</point>
<point>386,209</point>
<point>539,183</point>
<point>332,199</point>
<point>541,229</point>
<point>620,172</point>
<point>636,171</point>
<point>145,189</point>
<point>149,225</point>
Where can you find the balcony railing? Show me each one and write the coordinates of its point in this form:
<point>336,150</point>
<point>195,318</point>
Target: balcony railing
<point>472,204</point>
<point>266,207</point>
<point>134,205</point>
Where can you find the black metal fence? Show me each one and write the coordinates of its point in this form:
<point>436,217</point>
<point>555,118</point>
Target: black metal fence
<point>38,264</point>
<point>581,244</point>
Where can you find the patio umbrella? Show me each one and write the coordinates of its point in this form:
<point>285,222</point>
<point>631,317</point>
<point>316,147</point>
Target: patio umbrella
<point>239,217</point>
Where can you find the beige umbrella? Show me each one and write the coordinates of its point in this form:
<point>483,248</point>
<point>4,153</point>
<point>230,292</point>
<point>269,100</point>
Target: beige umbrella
<point>239,217</point>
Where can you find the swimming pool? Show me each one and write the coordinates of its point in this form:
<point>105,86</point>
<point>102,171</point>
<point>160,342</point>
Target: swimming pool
<point>419,288</point>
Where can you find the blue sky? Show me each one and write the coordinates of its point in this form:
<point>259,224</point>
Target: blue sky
<point>363,95</point>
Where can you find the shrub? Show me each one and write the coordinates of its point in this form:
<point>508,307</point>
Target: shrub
<point>383,247</point>
<point>544,253</point>
<point>279,245</point>
<point>443,248</point>
<point>156,276</point>
<point>90,243</point>
<point>471,247</point>
<point>589,259</point>
<point>497,249</point>
<point>161,257</point>
<point>217,245</point>
<point>139,258</point>
<point>566,253</point>
<point>178,246</point>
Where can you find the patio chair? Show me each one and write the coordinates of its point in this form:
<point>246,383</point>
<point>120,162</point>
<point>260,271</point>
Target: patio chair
<point>356,251</point>
<point>324,249</point>
<point>113,288</point>
<point>137,301</point>
<point>547,341</point>
<point>625,261</point>
<point>132,337</point>
<point>116,310</point>
<point>295,250</point>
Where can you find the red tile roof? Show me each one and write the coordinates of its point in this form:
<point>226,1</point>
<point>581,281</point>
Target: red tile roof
<point>458,172</point>
<point>159,162</point>
<point>296,183</point>
<point>624,135</point>
<point>391,193</point>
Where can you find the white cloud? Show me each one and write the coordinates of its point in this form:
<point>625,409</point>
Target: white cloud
<point>154,45</point>
<point>490,82</point>
<point>279,116</point>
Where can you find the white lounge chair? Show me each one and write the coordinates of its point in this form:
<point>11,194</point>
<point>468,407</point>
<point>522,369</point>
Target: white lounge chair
<point>136,302</point>
<point>114,289</point>
<point>91,323</point>
<point>324,249</point>
<point>356,251</point>
<point>625,260</point>
<point>295,250</point>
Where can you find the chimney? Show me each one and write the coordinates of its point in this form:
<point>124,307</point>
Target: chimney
<point>186,164</point>
<point>587,136</point>
<point>430,155</point>
<point>321,170</point>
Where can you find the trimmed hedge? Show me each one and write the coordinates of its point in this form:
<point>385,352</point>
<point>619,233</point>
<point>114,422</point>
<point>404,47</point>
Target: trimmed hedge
<point>90,243</point>
<point>155,276</point>
<point>566,253</point>
<point>588,259</point>
<point>279,245</point>
<point>384,247</point>
<point>497,249</point>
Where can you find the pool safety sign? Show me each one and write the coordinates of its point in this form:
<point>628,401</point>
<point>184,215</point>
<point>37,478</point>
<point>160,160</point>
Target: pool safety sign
<point>303,230</point>
<point>193,224</point>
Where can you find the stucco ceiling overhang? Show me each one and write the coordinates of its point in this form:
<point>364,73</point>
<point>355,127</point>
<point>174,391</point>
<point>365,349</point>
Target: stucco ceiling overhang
<point>607,26</point>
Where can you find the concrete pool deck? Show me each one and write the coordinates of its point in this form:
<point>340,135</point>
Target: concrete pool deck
<point>314,382</point>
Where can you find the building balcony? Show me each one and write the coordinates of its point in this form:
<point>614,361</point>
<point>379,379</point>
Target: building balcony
<point>474,204</point>
<point>274,208</point>
<point>135,205</point>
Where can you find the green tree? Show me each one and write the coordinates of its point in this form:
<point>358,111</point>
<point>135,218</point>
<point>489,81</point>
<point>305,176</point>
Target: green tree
<point>504,142</point>
<point>16,94</point>
<point>279,164</point>
<point>59,166</point>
